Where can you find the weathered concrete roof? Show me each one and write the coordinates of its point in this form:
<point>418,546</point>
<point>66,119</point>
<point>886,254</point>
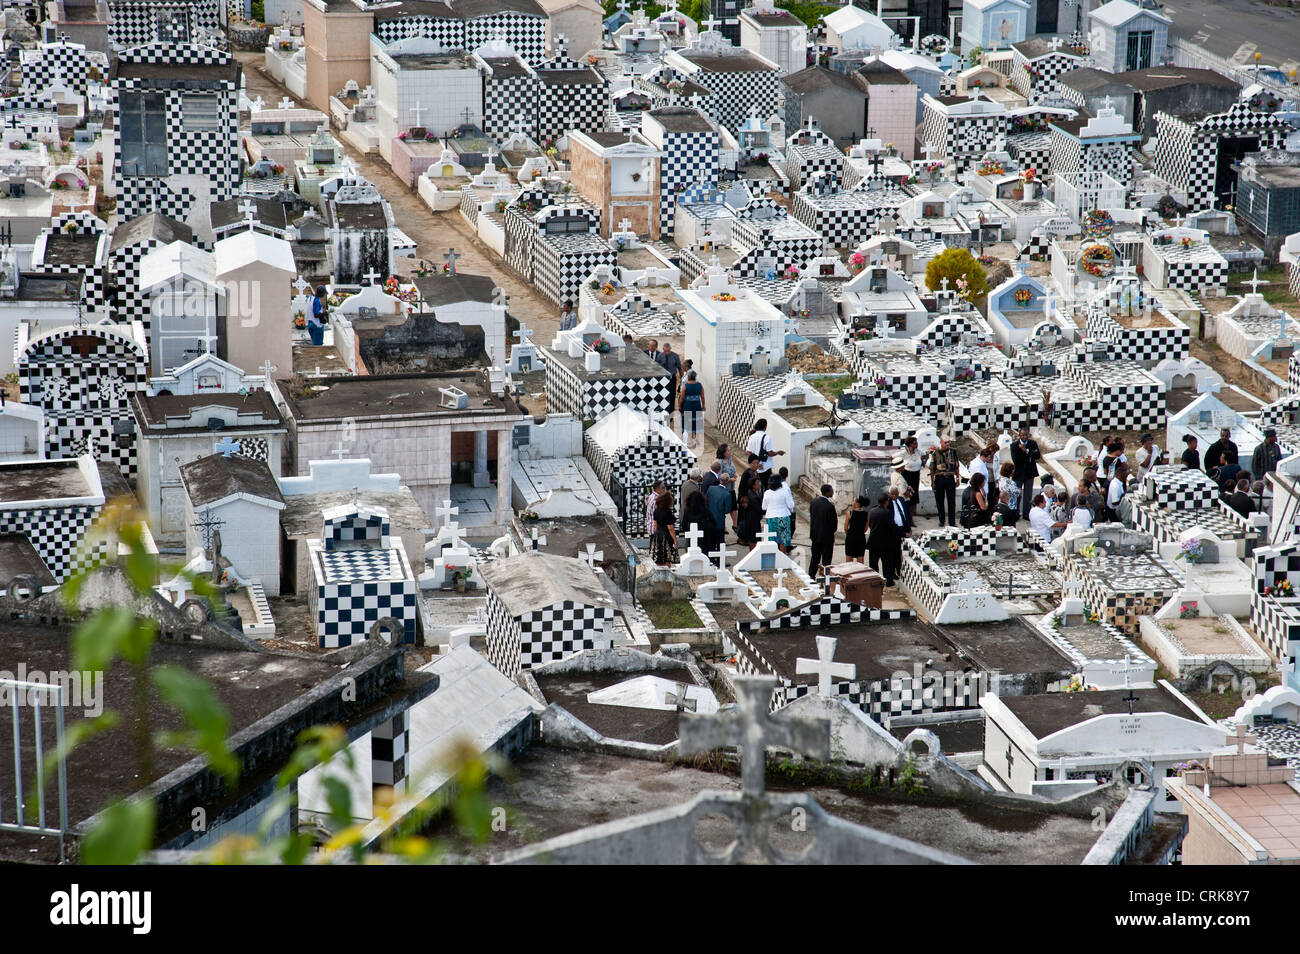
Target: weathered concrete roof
<point>532,581</point>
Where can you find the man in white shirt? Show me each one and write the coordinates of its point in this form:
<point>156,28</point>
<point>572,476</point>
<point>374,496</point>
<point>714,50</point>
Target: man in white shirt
<point>1115,493</point>
<point>983,464</point>
<point>1148,456</point>
<point>1040,520</point>
<point>761,445</point>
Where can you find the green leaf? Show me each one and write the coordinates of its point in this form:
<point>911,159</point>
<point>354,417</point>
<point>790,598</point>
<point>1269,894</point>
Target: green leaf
<point>203,713</point>
<point>96,641</point>
<point>339,798</point>
<point>123,834</point>
<point>316,746</point>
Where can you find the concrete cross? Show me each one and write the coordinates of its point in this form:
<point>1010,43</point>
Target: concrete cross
<point>180,258</point>
<point>592,556</point>
<point>249,211</point>
<point>1072,586</point>
<point>446,510</point>
<point>267,369</point>
<point>694,534</point>
<point>286,103</point>
<point>1239,737</point>
<point>721,555</point>
<point>561,43</point>
<point>368,92</point>
<point>824,666</point>
<point>450,257</point>
<point>537,541</point>
<point>258,104</point>
<point>624,225</point>
<point>522,333</point>
<point>418,110</point>
<point>521,124</point>
<point>751,727</point>
<point>710,24</point>
<point>301,286</point>
<point>780,578</point>
<point>1255,282</point>
<point>1056,42</point>
<point>339,450</point>
<point>677,698</point>
<point>371,277</point>
<point>766,535</point>
<point>225,447</point>
<point>929,150</point>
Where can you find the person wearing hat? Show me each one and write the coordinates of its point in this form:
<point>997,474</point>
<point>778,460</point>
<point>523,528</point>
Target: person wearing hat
<point>943,481</point>
<point>316,320</point>
<point>912,461</point>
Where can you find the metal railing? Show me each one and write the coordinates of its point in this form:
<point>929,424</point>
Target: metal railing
<point>31,695</point>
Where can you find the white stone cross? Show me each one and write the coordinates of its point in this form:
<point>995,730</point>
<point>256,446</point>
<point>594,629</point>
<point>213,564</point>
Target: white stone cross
<point>710,24</point>
<point>339,450</point>
<point>522,333</point>
<point>418,110</point>
<point>1239,737</point>
<point>624,225</point>
<point>249,211</point>
<point>676,697</point>
<point>447,510</point>
<point>1255,282</point>
<point>450,257</point>
<point>694,534</point>
<point>766,535</point>
<point>929,150</point>
<point>371,276</point>
<point>258,104</point>
<point>286,103</point>
<point>592,556</point>
<point>1056,42</point>
<point>721,555</point>
<point>180,258</point>
<point>824,667</point>
<point>780,578</point>
<point>301,286</point>
<point>752,727</point>
<point>1072,586</point>
<point>521,124</point>
<point>538,541</point>
<point>267,369</point>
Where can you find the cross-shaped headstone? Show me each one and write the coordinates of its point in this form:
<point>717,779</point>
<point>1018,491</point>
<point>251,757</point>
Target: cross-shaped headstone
<point>418,110</point>
<point>766,535</point>
<point>694,534</point>
<point>561,43</point>
<point>1056,42</point>
<point>537,541</point>
<point>446,510</point>
<point>249,211</point>
<point>207,524</point>
<point>624,225</point>
<point>301,286</point>
<point>1239,737</point>
<point>286,103</point>
<point>780,578</point>
<point>450,257</point>
<point>1072,586</point>
<point>752,727</point>
<point>710,24</point>
<point>267,369</point>
<point>258,104</point>
<point>592,556</point>
<point>1255,282</point>
<point>371,277</point>
<point>522,333</point>
<point>225,447</point>
<point>677,698</point>
<point>824,666</point>
<point>339,450</point>
<point>1131,698</point>
<point>180,258</point>
<point>721,555</point>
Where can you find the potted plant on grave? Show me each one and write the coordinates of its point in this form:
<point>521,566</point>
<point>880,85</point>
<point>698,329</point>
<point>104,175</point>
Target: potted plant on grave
<point>1193,551</point>
<point>529,516</point>
<point>1189,610</point>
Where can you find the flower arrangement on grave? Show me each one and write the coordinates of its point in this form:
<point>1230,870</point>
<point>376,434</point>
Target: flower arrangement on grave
<point>791,273</point>
<point>1281,587</point>
<point>608,288</point>
<point>422,270</point>
<point>761,157</point>
<point>601,346</point>
<point>593,284</point>
<point>724,296</point>
<point>1187,241</point>
<point>782,604</point>
<point>22,145</point>
<point>803,313</point>
<point>1189,610</point>
<point>529,516</point>
<point>954,549</point>
<point>933,554</point>
<point>1029,175</point>
<point>394,288</point>
<point>676,86</point>
<point>1098,223</point>
<point>593,59</point>
<point>59,185</point>
<point>1193,551</point>
<point>636,177</point>
<point>964,374</point>
<point>1089,613</point>
<point>1086,462</point>
<point>1162,240</point>
<point>70,227</point>
<point>1076,683</point>
<point>1088,551</point>
<point>1023,296</point>
<point>1190,766</point>
<point>881,381</point>
<point>286,45</point>
<point>990,167</point>
<point>1098,260</point>
<point>339,297</point>
<point>857,262</point>
<point>861,334</point>
<point>299,319</point>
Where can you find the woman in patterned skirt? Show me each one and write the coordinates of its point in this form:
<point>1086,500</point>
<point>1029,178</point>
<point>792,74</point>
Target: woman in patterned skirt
<point>778,506</point>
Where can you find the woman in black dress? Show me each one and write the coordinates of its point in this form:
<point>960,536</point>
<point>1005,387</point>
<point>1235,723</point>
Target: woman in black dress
<point>663,545</point>
<point>855,531</point>
<point>976,511</point>
<point>749,514</point>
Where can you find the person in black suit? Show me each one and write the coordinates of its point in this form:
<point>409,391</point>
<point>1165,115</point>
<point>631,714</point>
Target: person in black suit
<point>1240,500</point>
<point>880,538</point>
<point>1025,456</point>
<point>1216,454</point>
<point>822,522</point>
<point>900,524</point>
